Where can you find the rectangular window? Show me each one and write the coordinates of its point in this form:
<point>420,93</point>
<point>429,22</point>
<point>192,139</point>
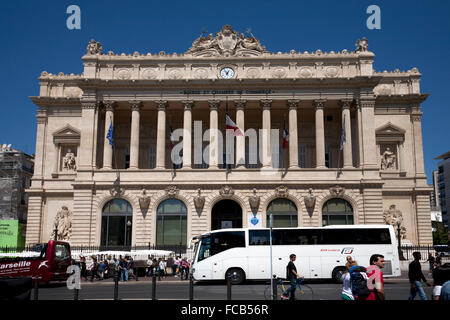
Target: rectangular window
<point>302,155</point>
<point>152,157</point>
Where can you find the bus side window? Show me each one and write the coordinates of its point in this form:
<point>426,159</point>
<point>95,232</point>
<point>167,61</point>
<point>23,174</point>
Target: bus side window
<point>259,237</point>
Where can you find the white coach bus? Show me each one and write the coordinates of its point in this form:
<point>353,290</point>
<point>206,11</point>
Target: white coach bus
<point>321,252</point>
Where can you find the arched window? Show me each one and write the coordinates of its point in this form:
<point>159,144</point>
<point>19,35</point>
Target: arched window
<point>284,213</point>
<point>337,211</point>
<point>117,221</point>
<point>171,223</point>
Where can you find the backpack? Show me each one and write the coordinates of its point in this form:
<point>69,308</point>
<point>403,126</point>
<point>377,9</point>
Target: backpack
<point>358,277</point>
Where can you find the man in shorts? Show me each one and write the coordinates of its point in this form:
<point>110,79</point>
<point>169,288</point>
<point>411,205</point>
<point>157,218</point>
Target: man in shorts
<point>375,276</point>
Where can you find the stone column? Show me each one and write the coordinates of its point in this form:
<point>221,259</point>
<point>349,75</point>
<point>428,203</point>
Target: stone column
<point>107,148</point>
<point>240,140</point>
<point>213,134</point>
<point>320,133</point>
<point>86,150</point>
<point>266,151</point>
<point>348,158</point>
<point>187,134</point>
<point>368,133</point>
<point>41,118</point>
<point>293,134</point>
<point>161,135</point>
<point>134,140</point>
<point>416,119</point>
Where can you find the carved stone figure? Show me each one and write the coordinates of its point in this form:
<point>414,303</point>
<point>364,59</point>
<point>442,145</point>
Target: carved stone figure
<point>310,200</point>
<point>362,45</point>
<point>281,191</point>
<point>394,216</point>
<point>144,200</point>
<point>226,191</point>
<point>94,47</point>
<point>388,160</point>
<point>69,161</point>
<point>254,201</point>
<point>172,190</point>
<point>227,42</point>
<point>337,191</point>
<point>199,201</point>
<point>64,220</point>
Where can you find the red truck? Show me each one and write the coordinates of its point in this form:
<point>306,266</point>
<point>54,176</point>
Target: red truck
<point>50,265</point>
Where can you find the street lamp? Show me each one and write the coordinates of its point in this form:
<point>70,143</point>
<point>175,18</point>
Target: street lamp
<point>400,252</point>
<point>56,231</point>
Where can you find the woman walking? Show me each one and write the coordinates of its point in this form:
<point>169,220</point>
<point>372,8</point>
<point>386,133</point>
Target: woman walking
<point>347,282</point>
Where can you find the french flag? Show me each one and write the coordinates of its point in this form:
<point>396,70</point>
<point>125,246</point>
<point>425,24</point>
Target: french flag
<point>285,138</point>
<point>230,125</point>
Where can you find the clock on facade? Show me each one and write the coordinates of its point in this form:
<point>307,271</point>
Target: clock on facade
<point>227,73</point>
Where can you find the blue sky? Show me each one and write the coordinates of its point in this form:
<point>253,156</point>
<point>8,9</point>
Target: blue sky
<point>34,38</point>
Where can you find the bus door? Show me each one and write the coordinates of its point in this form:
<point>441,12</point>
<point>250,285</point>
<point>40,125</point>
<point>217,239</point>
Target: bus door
<point>315,267</point>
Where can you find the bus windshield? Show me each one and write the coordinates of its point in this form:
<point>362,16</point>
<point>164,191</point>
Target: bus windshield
<point>220,241</point>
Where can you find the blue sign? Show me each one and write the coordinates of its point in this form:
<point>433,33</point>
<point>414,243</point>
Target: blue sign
<point>254,221</point>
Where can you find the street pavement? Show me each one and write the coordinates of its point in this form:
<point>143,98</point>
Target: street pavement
<point>174,289</point>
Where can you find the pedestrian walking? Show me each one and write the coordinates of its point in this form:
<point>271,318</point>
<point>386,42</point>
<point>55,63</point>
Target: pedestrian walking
<point>123,269</point>
<point>101,270</point>
<point>445,291</point>
<point>294,278</point>
<point>440,276</point>
<point>130,268</point>
<point>83,268</point>
<point>185,265</point>
<point>416,277</point>
<point>359,280</point>
<point>375,281</point>
<point>162,268</point>
<point>347,293</point>
<point>431,261</point>
<point>437,262</point>
<point>94,268</point>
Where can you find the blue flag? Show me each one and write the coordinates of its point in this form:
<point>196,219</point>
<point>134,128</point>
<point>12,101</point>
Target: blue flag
<point>343,138</point>
<point>109,136</point>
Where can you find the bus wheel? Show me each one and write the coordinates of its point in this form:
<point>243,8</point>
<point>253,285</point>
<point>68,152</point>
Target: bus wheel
<point>337,274</point>
<point>237,276</point>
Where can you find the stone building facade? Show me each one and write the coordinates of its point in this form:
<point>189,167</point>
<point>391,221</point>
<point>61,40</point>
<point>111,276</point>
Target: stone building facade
<point>117,117</point>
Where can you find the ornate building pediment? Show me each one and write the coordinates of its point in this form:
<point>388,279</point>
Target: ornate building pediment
<point>67,135</point>
<point>390,133</point>
<point>227,42</point>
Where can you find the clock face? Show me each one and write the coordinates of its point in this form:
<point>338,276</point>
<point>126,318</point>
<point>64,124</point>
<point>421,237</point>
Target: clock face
<point>227,73</point>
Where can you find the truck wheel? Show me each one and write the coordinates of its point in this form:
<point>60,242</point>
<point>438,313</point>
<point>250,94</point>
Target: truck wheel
<point>237,276</point>
<point>337,274</point>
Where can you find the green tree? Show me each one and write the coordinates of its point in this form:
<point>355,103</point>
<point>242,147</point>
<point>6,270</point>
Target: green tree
<point>440,236</point>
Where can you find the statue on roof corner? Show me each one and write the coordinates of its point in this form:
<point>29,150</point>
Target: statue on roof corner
<point>362,45</point>
<point>94,47</point>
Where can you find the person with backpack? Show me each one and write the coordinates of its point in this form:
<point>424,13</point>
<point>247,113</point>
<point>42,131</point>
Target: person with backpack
<point>440,276</point>
<point>416,277</point>
<point>347,293</point>
<point>376,280</point>
<point>295,279</point>
<point>359,278</point>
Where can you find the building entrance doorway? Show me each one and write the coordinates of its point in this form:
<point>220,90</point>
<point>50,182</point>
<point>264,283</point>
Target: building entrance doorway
<point>226,214</point>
